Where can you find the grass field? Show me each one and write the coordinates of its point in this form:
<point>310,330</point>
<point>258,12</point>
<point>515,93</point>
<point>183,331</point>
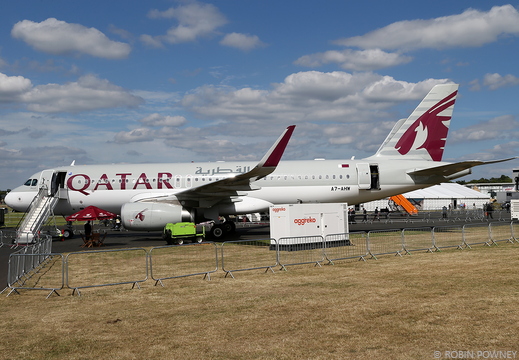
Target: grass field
<point>392,308</point>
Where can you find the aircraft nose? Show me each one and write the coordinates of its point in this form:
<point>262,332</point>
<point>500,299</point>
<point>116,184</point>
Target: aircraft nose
<point>10,199</point>
<point>18,201</point>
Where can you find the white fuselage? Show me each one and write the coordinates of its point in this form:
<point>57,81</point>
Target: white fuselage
<point>318,181</point>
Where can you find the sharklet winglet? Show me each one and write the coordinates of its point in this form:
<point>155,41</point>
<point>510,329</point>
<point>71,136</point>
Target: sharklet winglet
<point>273,156</point>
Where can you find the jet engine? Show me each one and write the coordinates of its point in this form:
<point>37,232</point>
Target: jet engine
<point>152,215</point>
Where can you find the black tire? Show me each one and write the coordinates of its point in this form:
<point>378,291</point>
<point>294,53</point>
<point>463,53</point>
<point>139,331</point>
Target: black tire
<point>229,227</point>
<point>167,237</point>
<point>217,232</point>
<point>179,241</point>
<point>67,234</point>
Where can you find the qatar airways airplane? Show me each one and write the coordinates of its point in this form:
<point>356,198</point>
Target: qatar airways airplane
<point>147,196</point>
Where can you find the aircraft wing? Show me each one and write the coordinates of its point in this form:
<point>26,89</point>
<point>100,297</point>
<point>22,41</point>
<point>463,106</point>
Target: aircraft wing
<point>454,168</point>
<point>209,194</point>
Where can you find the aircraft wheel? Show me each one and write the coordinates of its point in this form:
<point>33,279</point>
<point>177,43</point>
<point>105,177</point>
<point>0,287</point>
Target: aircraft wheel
<point>167,237</point>
<point>67,234</point>
<point>217,232</point>
<point>229,227</point>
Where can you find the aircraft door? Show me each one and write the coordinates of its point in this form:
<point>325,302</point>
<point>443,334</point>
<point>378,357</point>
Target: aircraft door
<point>368,176</point>
<point>364,176</point>
<point>375,178</point>
<point>48,179</point>
<point>54,181</point>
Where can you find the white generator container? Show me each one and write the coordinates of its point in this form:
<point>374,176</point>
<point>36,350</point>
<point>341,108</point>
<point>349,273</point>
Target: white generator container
<point>298,221</point>
<point>514,209</point>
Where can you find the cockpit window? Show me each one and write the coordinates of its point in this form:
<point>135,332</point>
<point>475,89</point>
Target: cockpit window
<point>28,182</point>
<point>34,182</point>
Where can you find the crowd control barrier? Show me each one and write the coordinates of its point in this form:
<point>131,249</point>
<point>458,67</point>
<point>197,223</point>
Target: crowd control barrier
<point>242,255</point>
<point>48,275</point>
<point>352,246</point>
<point>300,250</point>
<point>26,263</point>
<point>34,267</point>
<point>170,262</point>
<point>85,269</point>
<point>447,237</point>
<point>385,242</point>
<point>419,239</point>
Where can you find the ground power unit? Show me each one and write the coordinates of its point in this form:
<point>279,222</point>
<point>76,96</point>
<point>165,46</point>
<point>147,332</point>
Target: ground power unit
<point>514,209</point>
<point>294,226</point>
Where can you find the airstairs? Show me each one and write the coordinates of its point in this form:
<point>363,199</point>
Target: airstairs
<point>39,212</point>
<point>401,201</point>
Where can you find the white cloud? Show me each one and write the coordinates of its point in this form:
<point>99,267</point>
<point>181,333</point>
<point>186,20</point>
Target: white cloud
<point>61,38</point>
<point>496,81</point>
<point>151,41</point>
<point>389,89</point>
<point>136,135</point>
<point>501,127</point>
<point>194,19</point>
<point>88,93</point>
<point>363,60</point>
<point>472,28</point>
<point>11,87</point>
<point>358,104</point>
<point>161,120</point>
<point>243,42</point>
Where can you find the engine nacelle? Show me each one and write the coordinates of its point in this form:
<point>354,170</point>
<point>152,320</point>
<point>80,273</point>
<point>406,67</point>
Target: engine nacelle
<point>152,215</point>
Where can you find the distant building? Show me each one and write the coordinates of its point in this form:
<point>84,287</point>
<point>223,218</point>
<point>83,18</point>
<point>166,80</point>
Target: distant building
<point>501,192</point>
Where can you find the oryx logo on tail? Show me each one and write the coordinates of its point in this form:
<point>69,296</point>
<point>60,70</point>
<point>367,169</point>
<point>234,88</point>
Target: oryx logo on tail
<point>429,131</point>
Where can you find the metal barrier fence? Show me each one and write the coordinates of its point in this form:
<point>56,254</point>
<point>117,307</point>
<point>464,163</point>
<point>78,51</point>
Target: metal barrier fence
<point>27,262</point>
<point>447,237</point>
<point>86,269</point>
<point>515,231</point>
<point>170,262</point>
<point>7,238</point>
<point>384,242</point>
<point>346,247</point>
<point>242,255</point>
<point>419,239</point>
<point>47,275</point>
<point>475,234</point>
<point>500,232</point>
<point>300,250</point>
<point>34,267</point>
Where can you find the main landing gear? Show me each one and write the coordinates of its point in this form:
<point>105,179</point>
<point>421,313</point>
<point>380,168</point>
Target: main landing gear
<point>220,231</point>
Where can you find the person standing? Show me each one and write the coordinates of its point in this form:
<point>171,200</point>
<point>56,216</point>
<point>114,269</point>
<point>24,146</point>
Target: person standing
<point>88,230</point>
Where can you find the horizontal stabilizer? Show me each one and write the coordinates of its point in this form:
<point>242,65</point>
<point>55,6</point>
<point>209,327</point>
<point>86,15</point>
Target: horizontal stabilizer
<point>455,168</point>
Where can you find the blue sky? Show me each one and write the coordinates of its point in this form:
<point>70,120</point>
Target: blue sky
<point>180,81</point>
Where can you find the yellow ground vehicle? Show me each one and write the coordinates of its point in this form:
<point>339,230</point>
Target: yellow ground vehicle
<point>179,232</point>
